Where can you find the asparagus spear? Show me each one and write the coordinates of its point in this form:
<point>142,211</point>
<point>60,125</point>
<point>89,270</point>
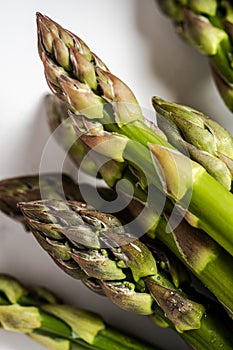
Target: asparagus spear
<point>56,186</point>
<point>204,139</point>
<point>127,274</point>
<point>29,188</point>
<point>208,27</point>
<point>40,314</point>
<point>215,254</point>
<point>26,188</point>
<point>78,77</point>
<point>210,263</point>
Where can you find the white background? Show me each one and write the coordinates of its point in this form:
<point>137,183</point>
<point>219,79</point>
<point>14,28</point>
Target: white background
<point>139,45</point>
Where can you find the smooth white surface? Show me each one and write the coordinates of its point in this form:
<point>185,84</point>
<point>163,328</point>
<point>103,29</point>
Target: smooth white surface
<point>139,45</point>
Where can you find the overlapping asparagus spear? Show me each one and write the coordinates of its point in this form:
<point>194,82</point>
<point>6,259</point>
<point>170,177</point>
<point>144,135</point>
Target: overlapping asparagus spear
<point>113,262</point>
<point>193,133</point>
<point>78,77</point>
<point>33,187</point>
<point>211,145</point>
<point>190,131</point>
<point>58,186</point>
<point>210,263</point>
<point>208,27</point>
<point>117,130</point>
<point>93,266</point>
<point>97,267</point>
<point>100,269</point>
<point>38,313</point>
<point>213,262</point>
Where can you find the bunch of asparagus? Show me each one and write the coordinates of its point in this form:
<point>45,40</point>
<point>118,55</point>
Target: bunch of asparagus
<point>178,176</point>
<point>107,117</point>
<point>140,275</point>
<point>40,314</point>
<point>208,27</point>
<point>211,264</point>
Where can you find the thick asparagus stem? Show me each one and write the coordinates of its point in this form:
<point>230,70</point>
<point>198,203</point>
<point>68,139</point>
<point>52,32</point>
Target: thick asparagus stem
<point>55,249</point>
<point>209,262</point>
<point>127,275</point>
<point>207,26</point>
<point>77,76</point>
<point>39,314</point>
<point>201,254</point>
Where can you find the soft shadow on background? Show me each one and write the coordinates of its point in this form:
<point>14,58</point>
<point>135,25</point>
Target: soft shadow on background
<point>184,71</point>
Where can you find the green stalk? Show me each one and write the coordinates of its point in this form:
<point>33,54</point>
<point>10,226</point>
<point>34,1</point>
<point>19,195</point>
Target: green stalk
<point>214,215</point>
<point>203,203</point>
<point>212,212</point>
<point>127,274</point>
<point>56,326</point>
<point>206,337</point>
<point>45,186</point>
<point>201,254</point>
<point>214,273</point>
<point>32,187</point>
<point>212,267</point>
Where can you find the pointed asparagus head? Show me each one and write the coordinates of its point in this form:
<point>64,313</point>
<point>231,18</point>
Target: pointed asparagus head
<point>34,187</point>
<point>124,295</point>
<point>202,138</point>
<point>184,313</point>
<point>79,77</point>
<point>73,231</point>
